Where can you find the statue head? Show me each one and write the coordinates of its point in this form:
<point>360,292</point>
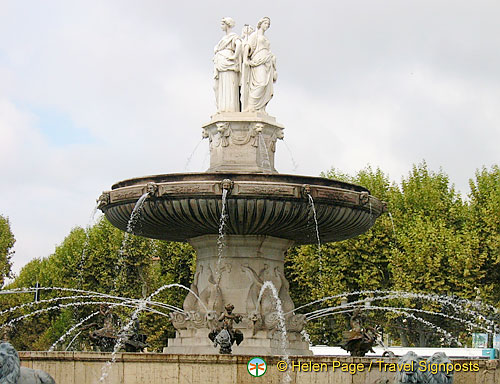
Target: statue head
<point>152,189</point>
<point>306,189</point>
<point>103,200</point>
<point>227,184</point>
<point>227,23</point>
<point>229,308</point>
<point>264,23</point>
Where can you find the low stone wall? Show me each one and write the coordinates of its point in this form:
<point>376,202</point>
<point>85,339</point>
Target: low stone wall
<point>155,368</point>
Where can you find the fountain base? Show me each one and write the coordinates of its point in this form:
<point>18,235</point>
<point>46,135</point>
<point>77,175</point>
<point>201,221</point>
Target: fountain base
<point>157,368</point>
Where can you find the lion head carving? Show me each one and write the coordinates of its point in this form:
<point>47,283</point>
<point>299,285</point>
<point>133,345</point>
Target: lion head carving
<point>414,376</point>
<point>11,371</point>
<point>437,373</point>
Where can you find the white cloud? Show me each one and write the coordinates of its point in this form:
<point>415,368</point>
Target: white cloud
<point>380,83</point>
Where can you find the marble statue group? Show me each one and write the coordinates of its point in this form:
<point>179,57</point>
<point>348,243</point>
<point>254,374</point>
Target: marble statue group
<point>244,68</point>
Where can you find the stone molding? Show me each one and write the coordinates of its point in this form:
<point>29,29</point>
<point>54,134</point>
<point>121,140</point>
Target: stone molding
<point>237,277</point>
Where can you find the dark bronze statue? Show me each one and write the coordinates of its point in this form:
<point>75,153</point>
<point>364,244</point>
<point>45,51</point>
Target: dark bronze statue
<point>359,340</point>
<point>106,337</point>
<point>225,335</point>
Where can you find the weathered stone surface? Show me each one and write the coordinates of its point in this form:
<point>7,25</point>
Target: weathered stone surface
<point>242,142</point>
<point>237,277</point>
<point>151,368</point>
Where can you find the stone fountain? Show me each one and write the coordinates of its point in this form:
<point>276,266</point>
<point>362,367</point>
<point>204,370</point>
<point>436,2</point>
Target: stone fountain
<point>262,212</point>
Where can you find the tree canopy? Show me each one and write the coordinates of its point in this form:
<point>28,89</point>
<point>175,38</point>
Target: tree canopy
<point>432,241</point>
<point>7,241</point>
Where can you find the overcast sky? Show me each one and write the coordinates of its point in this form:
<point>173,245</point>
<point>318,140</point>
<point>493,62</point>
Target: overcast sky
<point>93,92</point>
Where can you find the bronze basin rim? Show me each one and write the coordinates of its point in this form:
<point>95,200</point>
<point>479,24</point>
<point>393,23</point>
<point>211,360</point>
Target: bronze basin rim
<point>182,206</point>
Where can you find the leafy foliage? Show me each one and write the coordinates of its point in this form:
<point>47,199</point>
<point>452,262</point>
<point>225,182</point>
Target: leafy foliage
<point>427,243</point>
<point>7,241</point>
<point>484,224</point>
<point>432,241</point>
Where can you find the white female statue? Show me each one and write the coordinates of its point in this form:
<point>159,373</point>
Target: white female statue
<point>227,69</point>
<point>245,69</point>
<point>261,65</point>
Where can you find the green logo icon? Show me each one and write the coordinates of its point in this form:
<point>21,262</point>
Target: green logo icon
<point>256,367</point>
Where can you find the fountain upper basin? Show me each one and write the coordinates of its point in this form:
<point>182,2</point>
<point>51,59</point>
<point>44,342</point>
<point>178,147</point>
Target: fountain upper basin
<point>187,205</point>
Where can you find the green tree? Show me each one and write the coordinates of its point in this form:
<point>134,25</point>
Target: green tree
<point>434,252</point>
<point>484,223</point>
<point>433,242</point>
<point>7,241</point>
<point>174,263</point>
<point>106,260</point>
<point>57,270</point>
<point>360,263</point>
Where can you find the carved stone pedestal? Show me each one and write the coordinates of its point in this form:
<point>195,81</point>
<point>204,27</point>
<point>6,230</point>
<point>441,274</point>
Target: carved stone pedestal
<point>242,142</point>
<point>237,277</point>
<point>262,344</point>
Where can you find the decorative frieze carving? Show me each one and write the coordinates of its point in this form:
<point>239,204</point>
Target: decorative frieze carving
<point>340,196</point>
<point>186,188</point>
<point>126,193</point>
<point>236,142</point>
<point>179,320</point>
<point>266,189</point>
<point>225,135</point>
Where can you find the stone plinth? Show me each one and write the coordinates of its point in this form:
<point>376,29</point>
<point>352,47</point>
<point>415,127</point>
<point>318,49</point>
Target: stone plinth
<point>235,273</point>
<point>242,142</point>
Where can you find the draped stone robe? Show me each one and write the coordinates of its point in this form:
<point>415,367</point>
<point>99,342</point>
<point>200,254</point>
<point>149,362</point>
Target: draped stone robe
<point>262,67</point>
<point>227,74</point>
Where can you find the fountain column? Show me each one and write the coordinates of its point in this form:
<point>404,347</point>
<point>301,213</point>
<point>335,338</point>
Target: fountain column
<point>236,276</point>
